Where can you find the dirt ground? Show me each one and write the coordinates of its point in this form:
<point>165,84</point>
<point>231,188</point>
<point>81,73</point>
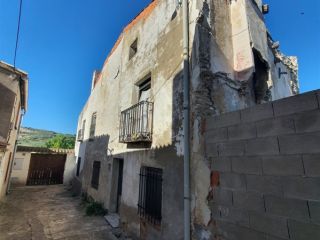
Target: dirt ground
<point>48,212</point>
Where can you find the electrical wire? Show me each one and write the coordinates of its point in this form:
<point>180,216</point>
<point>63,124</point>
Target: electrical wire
<point>17,37</point>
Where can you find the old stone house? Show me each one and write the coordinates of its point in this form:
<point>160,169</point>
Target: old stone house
<point>129,144</point>
<point>13,104</point>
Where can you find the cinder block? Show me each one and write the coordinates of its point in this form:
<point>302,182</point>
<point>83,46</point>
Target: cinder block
<point>232,231</point>
<point>233,148</point>
<point>302,188</point>
<point>221,196</point>
<point>232,181</point>
<point>307,121</point>
<point>265,184</point>
<point>275,127</point>
<point>223,120</point>
<point>299,103</point>
<point>216,135</point>
<point>221,164</point>
<point>249,165</point>
<point>211,149</point>
<point>312,165</point>
<point>234,215</point>
<point>242,131</point>
<point>303,231</point>
<point>275,226</point>
<point>256,113</point>
<point>314,208</point>
<point>250,201</point>
<point>289,165</point>
<point>262,146</point>
<point>290,208</point>
<point>301,143</point>
<point>269,237</point>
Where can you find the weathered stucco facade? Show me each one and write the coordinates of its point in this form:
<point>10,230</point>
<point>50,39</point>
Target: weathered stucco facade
<point>234,65</point>
<point>13,103</point>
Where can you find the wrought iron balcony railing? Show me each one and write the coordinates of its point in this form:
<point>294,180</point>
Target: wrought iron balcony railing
<point>136,123</point>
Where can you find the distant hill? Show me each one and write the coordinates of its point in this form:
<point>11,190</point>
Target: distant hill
<point>32,137</point>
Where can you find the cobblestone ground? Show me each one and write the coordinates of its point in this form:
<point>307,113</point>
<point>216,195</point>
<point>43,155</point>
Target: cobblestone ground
<point>48,212</point>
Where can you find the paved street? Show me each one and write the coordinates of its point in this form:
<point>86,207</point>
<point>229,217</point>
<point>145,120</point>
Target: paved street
<point>48,212</point>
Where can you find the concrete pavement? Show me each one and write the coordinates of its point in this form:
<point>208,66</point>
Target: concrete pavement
<point>48,212</point>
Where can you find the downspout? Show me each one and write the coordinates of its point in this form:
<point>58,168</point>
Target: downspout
<point>186,120</point>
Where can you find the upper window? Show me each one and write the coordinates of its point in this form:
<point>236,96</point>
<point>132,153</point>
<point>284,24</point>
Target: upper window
<point>93,125</point>
<point>150,194</point>
<point>144,90</point>
<point>133,49</point>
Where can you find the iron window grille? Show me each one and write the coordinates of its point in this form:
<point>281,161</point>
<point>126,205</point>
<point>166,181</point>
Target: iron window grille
<point>93,125</point>
<point>95,174</point>
<point>136,123</point>
<point>150,194</point>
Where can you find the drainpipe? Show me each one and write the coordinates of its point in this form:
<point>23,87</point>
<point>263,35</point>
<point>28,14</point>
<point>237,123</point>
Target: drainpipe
<point>186,120</point>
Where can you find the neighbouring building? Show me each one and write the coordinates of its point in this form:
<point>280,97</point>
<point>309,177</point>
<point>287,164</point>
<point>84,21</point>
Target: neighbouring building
<point>13,104</point>
<point>42,166</point>
<point>129,146</point>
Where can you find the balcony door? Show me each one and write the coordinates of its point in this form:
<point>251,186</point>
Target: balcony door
<point>144,96</point>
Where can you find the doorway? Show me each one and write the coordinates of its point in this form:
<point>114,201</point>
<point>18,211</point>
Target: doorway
<point>120,178</point>
<point>116,190</point>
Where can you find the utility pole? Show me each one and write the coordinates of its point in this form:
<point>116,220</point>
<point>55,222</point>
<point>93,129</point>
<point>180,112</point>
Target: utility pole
<point>186,120</point>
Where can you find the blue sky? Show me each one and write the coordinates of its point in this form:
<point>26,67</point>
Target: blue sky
<point>62,42</point>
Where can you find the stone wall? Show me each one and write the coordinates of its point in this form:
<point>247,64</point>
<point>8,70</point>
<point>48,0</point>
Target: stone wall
<point>265,171</point>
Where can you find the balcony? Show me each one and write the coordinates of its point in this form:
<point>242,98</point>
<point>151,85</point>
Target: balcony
<point>136,123</point>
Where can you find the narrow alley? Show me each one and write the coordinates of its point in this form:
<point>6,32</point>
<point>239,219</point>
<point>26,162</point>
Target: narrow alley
<point>48,212</point>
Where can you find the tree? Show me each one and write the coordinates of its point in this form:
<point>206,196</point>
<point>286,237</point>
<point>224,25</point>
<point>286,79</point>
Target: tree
<point>61,141</point>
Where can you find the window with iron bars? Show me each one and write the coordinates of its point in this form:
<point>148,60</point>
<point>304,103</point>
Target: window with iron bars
<point>150,194</point>
<point>93,125</point>
<point>95,174</point>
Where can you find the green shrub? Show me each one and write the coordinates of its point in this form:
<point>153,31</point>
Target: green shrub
<point>95,209</point>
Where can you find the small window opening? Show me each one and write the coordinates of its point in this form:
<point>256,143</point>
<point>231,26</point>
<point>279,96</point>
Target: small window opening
<point>95,174</point>
<point>260,78</point>
<point>133,49</point>
<point>93,125</point>
<point>78,166</point>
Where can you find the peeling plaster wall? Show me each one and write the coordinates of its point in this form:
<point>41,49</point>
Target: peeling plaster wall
<point>159,54</point>
<point>9,123</point>
<point>222,38</point>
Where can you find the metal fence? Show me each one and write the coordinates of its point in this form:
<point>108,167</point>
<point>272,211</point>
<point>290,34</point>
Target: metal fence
<point>136,123</point>
<point>46,176</point>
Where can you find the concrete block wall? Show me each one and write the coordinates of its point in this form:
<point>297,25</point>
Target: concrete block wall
<point>265,170</point>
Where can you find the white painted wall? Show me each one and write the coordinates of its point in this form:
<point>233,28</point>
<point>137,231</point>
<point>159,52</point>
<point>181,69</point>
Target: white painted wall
<point>19,176</point>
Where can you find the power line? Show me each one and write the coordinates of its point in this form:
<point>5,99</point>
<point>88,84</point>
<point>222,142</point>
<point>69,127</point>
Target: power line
<point>18,33</point>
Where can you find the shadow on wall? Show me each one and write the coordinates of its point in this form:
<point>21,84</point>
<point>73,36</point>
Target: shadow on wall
<point>95,148</point>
